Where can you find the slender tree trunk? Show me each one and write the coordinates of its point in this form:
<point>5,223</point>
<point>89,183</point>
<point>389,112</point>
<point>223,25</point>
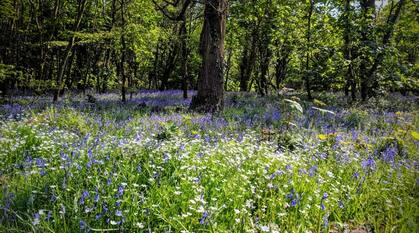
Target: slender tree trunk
<point>281,66</point>
<point>368,10</point>
<point>210,96</point>
<point>122,69</point>
<point>80,11</point>
<point>248,60</point>
<point>184,60</point>
<point>230,54</point>
<point>350,78</point>
<point>307,65</point>
<point>264,66</point>
<point>169,66</point>
<point>378,59</point>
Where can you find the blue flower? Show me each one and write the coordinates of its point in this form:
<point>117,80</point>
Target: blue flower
<point>355,175</point>
<point>83,225</point>
<point>49,216</point>
<point>340,204</point>
<point>36,219</point>
<point>322,206</point>
<point>312,170</point>
<point>389,154</point>
<point>368,164</point>
<point>294,202</point>
<point>118,213</point>
<point>120,191</point>
<point>326,220</point>
<point>84,195</point>
<point>325,196</point>
<point>203,218</point>
<point>97,196</point>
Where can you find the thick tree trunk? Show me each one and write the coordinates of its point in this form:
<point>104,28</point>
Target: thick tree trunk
<point>210,96</point>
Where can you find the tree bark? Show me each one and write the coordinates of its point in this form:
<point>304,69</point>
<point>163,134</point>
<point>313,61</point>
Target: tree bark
<point>307,65</point>
<point>378,59</point>
<point>80,11</point>
<point>248,60</point>
<point>368,10</point>
<point>350,78</point>
<point>210,96</point>
<point>184,59</point>
<point>123,85</point>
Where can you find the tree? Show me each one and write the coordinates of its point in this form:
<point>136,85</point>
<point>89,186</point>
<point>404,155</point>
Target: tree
<point>210,96</point>
<point>307,73</point>
<point>350,77</point>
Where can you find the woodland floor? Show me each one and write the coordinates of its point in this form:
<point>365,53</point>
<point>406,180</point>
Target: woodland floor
<point>265,164</point>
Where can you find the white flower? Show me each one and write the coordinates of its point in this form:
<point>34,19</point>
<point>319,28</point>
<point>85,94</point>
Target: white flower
<point>140,225</point>
<point>264,228</point>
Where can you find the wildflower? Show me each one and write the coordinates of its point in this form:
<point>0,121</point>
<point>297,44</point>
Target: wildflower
<point>368,164</point>
<point>84,195</point>
<point>323,156</point>
<point>264,228</point>
<point>121,189</point>
<point>83,225</point>
<point>325,195</point>
<point>118,213</point>
<point>36,219</point>
<point>203,218</point>
<point>312,170</point>
<point>49,216</point>
<point>301,171</point>
<point>326,220</point>
<point>355,175</point>
<point>197,179</point>
<point>322,206</point>
<point>96,199</point>
<point>165,158</point>
<point>340,204</point>
<point>42,172</point>
<point>62,209</point>
<point>389,154</point>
